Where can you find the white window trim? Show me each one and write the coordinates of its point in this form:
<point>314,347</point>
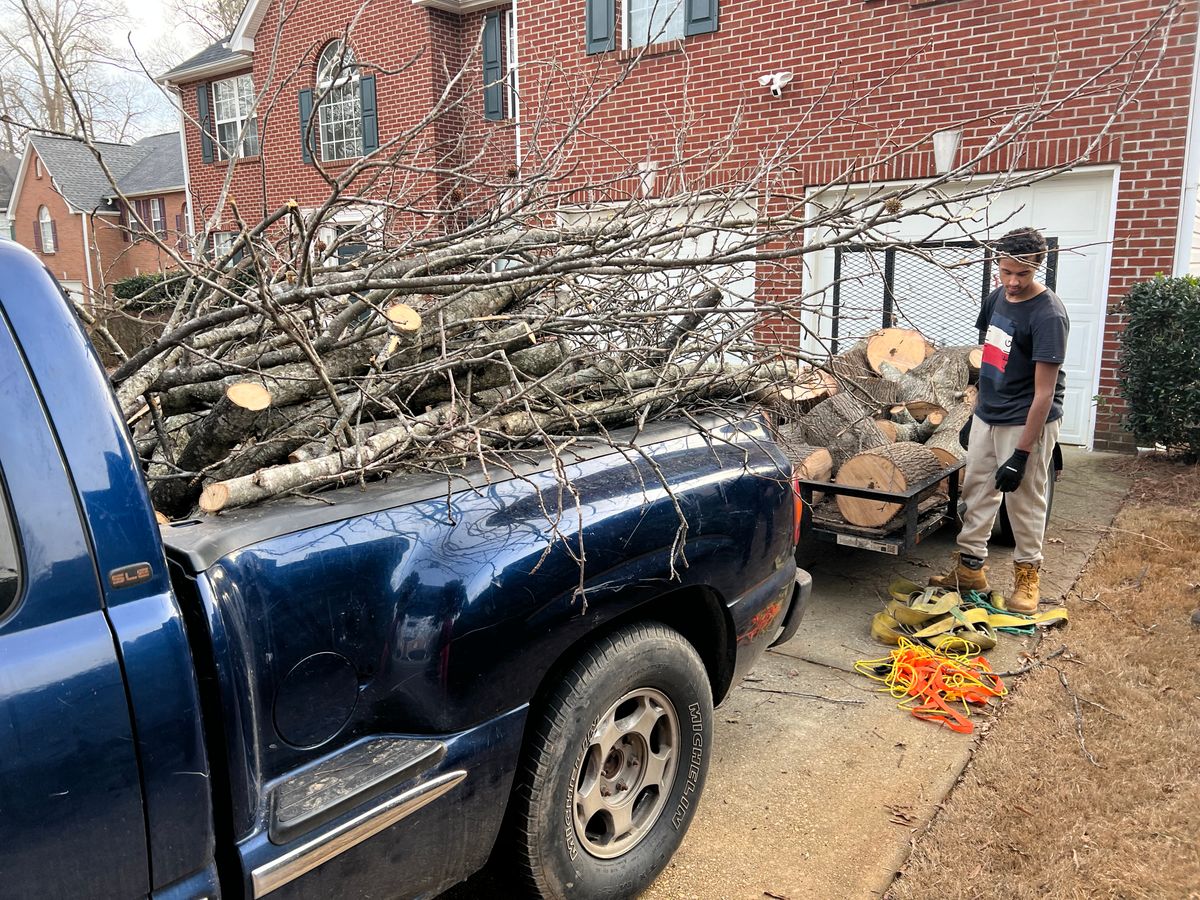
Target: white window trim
<point>512,103</point>
<point>222,241</point>
<point>241,119</point>
<point>46,225</point>
<point>333,96</point>
<point>370,219</point>
<point>626,30</point>
<point>158,216</point>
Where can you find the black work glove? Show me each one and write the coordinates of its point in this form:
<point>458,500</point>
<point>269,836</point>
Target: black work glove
<point>1009,475</point>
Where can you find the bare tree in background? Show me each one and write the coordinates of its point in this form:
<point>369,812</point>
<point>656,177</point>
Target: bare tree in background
<point>214,19</point>
<point>468,315</point>
<point>61,72</point>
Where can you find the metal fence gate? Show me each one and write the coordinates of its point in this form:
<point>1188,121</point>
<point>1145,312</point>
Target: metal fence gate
<point>935,287</point>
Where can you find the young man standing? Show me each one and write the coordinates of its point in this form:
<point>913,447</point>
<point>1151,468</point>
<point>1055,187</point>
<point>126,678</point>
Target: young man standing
<point>1023,326</point>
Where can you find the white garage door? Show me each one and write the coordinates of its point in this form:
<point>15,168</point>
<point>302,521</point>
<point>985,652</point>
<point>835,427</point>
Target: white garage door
<point>74,289</point>
<point>1075,208</point>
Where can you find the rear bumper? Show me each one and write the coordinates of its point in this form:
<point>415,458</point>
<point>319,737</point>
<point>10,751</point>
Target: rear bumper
<point>801,594</point>
<point>767,612</point>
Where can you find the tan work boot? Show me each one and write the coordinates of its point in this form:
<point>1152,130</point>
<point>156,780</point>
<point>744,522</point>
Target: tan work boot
<point>962,577</point>
<point>1026,589</point>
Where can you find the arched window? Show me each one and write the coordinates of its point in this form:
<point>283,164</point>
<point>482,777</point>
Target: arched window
<point>340,110</point>
<point>47,233</point>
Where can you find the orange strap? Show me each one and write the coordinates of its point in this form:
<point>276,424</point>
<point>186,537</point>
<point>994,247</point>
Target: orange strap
<point>935,685</point>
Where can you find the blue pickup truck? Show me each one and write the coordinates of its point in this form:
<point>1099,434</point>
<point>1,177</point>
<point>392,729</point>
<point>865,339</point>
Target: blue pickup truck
<point>369,694</point>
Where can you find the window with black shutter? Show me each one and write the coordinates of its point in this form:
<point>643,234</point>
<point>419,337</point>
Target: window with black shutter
<point>647,22</point>
<point>493,68</point>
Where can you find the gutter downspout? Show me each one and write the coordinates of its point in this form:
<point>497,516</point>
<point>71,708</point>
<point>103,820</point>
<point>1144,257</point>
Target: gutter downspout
<point>1185,229</point>
<point>87,259</point>
<point>516,82</point>
<point>187,172</point>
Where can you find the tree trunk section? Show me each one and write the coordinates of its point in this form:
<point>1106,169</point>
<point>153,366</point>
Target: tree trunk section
<point>894,468</point>
<point>901,347</point>
<point>808,462</point>
<point>230,422</point>
<point>843,426</point>
<point>873,391</point>
<point>852,363</point>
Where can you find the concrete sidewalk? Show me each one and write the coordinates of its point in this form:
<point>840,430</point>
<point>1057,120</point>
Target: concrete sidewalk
<point>818,784</point>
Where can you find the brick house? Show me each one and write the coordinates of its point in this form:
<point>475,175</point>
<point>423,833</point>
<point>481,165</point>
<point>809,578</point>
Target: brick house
<point>866,76</point>
<point>8,174</point>
<point>64,208</point>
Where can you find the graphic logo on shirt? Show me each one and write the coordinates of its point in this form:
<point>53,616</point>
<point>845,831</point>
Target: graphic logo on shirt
<point>997,345</point>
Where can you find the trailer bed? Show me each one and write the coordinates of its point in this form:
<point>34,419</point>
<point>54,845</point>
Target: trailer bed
<point>916,520</point>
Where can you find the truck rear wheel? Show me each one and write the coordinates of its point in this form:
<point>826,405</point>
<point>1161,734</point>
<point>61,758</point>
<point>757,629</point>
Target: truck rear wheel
<point>614,766</point>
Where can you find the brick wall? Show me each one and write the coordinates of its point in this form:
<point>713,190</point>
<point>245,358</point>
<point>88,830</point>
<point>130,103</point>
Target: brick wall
<point>112,257</point>
<point>407,48</point>
<point>119,256</point>
<point>871,78</point>
<point>67,261</point>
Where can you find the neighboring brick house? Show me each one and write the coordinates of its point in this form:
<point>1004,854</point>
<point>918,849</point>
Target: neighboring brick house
<point>867,76</point>
<point>8,175</point>
<point>64,208</point>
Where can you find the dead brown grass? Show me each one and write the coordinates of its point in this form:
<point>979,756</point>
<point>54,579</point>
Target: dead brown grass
<point>1032,818</point>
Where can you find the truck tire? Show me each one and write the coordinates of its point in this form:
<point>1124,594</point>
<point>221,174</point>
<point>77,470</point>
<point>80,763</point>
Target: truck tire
<point>613,767</point>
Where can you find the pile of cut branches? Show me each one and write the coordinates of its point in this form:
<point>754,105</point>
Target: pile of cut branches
<point>270,381</point>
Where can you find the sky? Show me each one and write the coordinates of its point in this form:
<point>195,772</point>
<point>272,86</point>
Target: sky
<point>160,42</point>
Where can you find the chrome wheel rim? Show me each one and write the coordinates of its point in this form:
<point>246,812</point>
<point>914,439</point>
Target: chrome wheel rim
<point>625,774</point>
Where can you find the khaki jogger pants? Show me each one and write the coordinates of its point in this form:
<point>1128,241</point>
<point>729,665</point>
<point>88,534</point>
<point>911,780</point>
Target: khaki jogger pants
<point>990,446</point>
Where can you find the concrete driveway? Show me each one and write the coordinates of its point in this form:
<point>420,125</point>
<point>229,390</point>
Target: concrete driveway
<point>818,784</point>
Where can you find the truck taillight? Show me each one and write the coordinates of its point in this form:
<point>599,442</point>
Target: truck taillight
<point>797,511</point>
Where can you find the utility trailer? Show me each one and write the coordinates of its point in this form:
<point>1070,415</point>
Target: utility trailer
<point>917,519</point>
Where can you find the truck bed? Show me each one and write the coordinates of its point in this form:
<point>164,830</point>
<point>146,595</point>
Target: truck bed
<point>196,544</point>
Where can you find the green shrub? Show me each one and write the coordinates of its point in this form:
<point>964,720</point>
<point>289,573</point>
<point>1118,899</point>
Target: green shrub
<point>150,292</point>
<point>1160,362</point>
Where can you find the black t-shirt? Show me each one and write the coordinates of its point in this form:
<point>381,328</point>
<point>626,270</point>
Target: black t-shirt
<point>1014,337</point>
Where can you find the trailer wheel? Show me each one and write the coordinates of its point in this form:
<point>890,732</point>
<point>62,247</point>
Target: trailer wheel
<point>613,767</point>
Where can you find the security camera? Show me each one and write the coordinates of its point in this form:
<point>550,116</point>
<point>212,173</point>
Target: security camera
<point>776,82</point>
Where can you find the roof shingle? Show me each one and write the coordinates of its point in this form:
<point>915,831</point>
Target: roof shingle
<point>154,163</point>
<point>210,55</point>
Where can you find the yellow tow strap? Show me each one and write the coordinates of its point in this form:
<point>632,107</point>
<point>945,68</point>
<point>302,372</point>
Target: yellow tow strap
<point>944,619</point>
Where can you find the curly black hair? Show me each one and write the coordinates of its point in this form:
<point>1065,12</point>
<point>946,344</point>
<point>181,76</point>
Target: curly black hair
<point>1022,243</point>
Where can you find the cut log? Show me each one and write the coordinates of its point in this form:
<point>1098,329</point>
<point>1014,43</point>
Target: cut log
<point>900,347</point>
<point>889,429</point>
<point>919,411</point>
<point>842,425</point>
<point>949,371</point>
<point>895,469</point>
<point>313,449</point>
<point>277,480</point>
<point>230,422</point>
<point>852,363</point>
<point>287,384</point>
<point>403,317</point>
<point>972,355</point>
<point>873,391</point>
<point>918,431</point>
<point>944,441</point>
<point>808,462</point>
<point>812,386</point>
